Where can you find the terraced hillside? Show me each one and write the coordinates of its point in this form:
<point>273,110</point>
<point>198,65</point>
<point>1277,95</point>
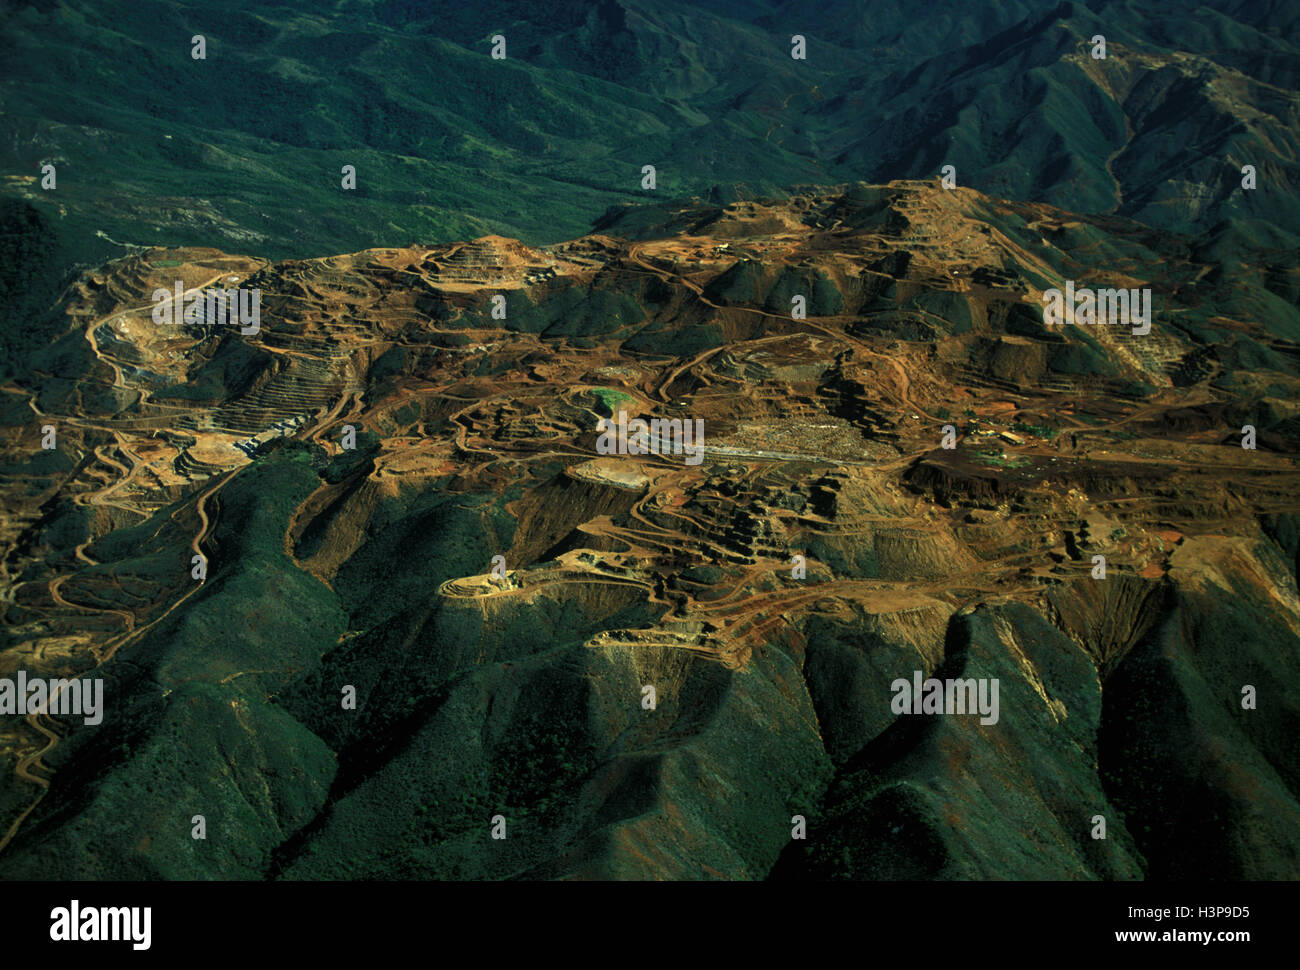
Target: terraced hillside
<point>351,471</point>
<point>244,149</point>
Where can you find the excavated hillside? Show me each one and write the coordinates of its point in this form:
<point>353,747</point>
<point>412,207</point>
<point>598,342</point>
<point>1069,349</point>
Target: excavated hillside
<point>433,595</point>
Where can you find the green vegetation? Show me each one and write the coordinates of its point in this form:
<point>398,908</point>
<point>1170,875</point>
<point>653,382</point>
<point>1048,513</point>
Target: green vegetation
<point>613,400</point>
<point>1041,430</point>
<point>158,148</point>
<point>226,696</point>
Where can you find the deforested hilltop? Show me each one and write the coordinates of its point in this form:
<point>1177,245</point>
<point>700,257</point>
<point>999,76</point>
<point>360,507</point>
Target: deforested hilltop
<point>401,490</point>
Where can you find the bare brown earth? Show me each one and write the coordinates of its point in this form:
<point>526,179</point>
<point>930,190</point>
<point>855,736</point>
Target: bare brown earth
<point>822,439</point>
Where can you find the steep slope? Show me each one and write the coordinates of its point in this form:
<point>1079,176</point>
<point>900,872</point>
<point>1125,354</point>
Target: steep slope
<point>435,604</point>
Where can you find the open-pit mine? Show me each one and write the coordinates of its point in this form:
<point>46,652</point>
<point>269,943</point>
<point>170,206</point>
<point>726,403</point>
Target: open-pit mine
<point>393,486</point>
